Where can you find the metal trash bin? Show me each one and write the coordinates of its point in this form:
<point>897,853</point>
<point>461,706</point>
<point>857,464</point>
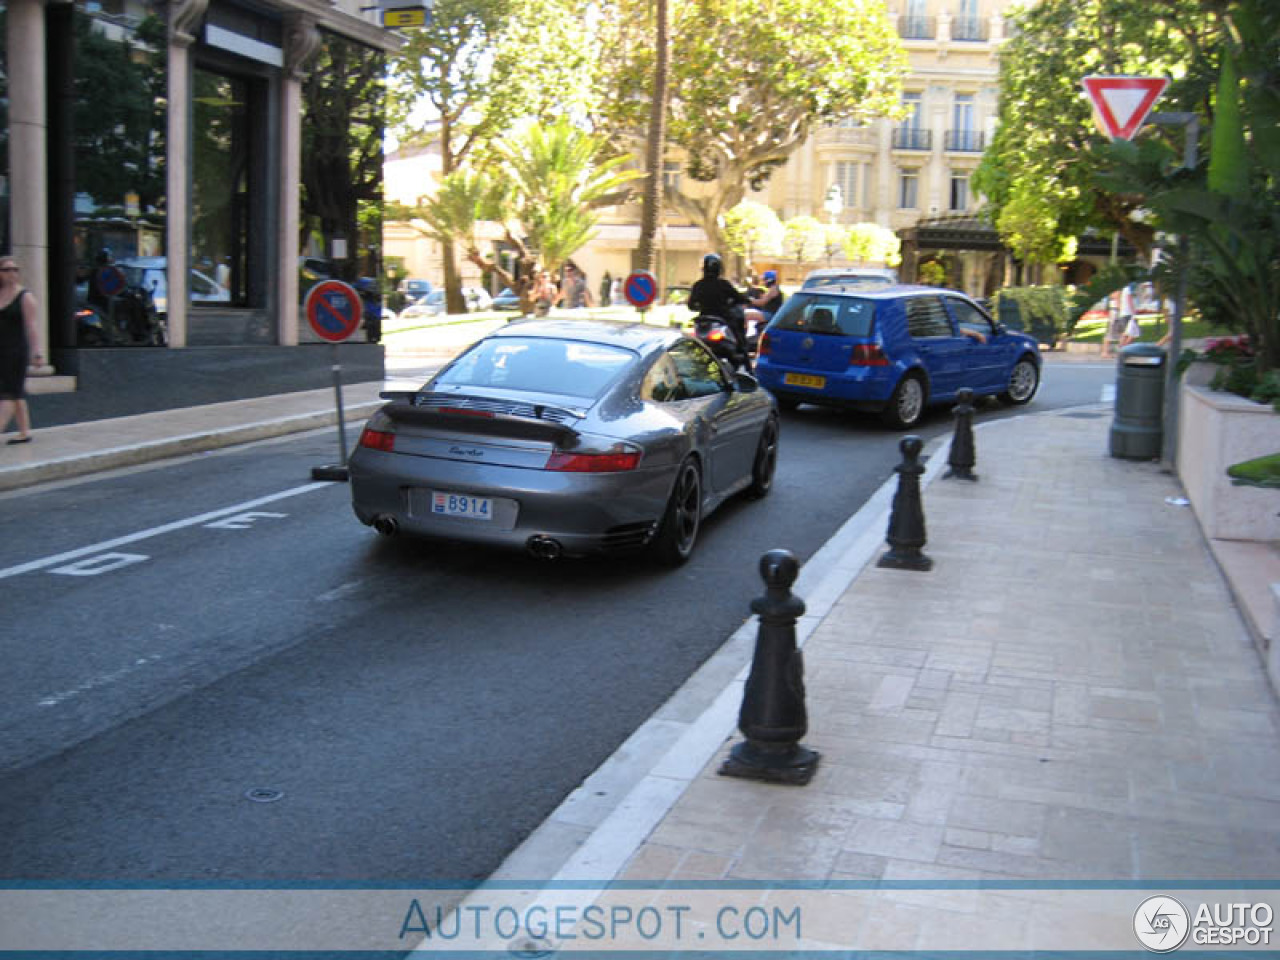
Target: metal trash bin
<point>1138,429</point>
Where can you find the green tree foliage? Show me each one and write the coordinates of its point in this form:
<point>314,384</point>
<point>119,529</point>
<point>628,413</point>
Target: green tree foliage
<point>803,239</point>
<point>477,69</point>
<point>872,243</point>
<point>833,238</point>
<point>1046,146</point>
<point>542,188</point>
<point>749,81</point>
<point>753,230</point>
<point>1229,209</point>
<point>1029,229</point>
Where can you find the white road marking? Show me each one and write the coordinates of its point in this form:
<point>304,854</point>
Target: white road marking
<point>243,521</point>
<point>54,699</point>
<point>102,563</point>
<point>204,518</point>
<point>1108,393</point>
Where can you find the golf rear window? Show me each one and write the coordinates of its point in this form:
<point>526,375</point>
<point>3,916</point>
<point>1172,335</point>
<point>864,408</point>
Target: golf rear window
<point>567,367</point>
<point>835,316</point>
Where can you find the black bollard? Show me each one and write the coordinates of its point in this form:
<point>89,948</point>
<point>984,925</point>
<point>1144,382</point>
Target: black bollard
<point>773,717</point>
<point>963,455</point>
<point>906,523</point>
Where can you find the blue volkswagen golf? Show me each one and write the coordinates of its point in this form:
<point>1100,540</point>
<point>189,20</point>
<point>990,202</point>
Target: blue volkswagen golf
<point>892,350</point>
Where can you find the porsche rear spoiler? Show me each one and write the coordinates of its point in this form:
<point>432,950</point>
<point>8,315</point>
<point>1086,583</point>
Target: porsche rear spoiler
<point>488,420</point>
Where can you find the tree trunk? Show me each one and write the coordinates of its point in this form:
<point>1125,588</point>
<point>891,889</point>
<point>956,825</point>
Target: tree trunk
<point>453,300</point>
<point>657,141</point>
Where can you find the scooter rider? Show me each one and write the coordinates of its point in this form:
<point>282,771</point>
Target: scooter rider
<point>715,296</point>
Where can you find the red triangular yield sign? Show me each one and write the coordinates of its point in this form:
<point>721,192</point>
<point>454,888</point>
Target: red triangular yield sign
<point>1120,104</point>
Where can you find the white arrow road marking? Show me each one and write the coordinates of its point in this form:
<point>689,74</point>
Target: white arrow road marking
<point>204,518</point>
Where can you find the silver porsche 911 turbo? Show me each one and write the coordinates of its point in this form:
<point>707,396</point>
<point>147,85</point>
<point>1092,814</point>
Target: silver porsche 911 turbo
<point>568,438</point>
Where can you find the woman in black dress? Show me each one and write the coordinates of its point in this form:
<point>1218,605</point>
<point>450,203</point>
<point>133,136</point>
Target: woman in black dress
<point>18,339</point>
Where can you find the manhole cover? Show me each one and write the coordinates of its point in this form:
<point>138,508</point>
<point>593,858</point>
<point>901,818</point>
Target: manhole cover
<point>263,795</point>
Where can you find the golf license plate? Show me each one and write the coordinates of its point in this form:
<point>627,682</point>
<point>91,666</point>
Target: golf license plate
<point>445,504</point>
<point>804,380</point>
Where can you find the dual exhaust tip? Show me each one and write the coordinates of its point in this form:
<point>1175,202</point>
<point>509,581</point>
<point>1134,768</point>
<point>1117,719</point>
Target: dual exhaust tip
<point>540,546</point>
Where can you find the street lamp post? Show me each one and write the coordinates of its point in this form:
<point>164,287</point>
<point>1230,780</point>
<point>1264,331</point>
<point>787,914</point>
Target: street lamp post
<point>833,204</point>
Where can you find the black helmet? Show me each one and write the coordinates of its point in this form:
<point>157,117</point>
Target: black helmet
<point>712,266</point>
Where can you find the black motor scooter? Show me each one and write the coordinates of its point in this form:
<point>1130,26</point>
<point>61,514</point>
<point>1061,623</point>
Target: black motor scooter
<point>717,334</point>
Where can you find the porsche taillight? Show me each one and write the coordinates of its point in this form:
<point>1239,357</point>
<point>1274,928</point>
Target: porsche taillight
<point>378,440</point>
<point>620,459</point>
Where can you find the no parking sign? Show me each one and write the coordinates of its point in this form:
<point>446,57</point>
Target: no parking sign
<point>640,289</point>
<point>333,310</point>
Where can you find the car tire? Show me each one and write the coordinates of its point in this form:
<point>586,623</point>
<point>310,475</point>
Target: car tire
<point>1024,381</point>
<point>906,406</point>
<point>766,461</point>
<point>678,531</point>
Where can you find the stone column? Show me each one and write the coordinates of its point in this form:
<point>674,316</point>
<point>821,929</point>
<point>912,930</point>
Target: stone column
<point>301,43</point>
<point>184,19</point>
<point>28,152</point>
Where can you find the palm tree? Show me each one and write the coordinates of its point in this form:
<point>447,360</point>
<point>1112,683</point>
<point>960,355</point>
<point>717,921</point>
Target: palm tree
<point>543,190</point>
<point>657,139</point>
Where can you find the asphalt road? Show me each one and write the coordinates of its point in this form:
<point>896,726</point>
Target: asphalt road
<point>186,641</point>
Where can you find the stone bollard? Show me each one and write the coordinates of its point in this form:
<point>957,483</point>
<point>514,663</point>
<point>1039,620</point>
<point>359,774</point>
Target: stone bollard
<point>963,455</point>
<point>906,523</point>
<point>773,717</point>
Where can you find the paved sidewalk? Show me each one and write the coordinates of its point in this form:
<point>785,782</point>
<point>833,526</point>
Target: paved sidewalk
<point>1069,695</point>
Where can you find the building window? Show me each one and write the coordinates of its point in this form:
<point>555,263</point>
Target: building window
<point>967,25</point>
<point>909,189</point>
<point>963,136</point>
<point>916,24</point>
<point>959,191</point>
<point>670,177</point>
<point>911,135</point>
<point>846,175</point>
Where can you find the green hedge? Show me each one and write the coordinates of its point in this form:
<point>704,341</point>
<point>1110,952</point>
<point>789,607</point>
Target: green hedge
<point>1040,311</point>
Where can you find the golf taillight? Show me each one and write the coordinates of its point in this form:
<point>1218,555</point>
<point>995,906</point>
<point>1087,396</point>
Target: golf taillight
<point>618,460</point>
<point>378,440</point>
<point>766,345</point>
<point>868,355</point>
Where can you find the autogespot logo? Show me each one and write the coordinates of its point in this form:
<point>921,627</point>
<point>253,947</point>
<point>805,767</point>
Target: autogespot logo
<point>1161,924</point>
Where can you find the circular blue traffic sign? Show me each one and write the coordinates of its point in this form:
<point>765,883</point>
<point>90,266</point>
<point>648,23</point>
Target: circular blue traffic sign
<point>111,280</point>
<point>640,288</point>
<point>333,310</point>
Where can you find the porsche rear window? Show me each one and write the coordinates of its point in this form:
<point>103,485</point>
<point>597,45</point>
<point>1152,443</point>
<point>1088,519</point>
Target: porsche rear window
<point>838,316</point>
<point>568,367</point>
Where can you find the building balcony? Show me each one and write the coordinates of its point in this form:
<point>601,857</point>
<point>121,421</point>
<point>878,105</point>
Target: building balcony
<point>912,138</point>
<point>969,29</point>
<point>966,141</point>
<point>917,28</point>
<point>845,136</point>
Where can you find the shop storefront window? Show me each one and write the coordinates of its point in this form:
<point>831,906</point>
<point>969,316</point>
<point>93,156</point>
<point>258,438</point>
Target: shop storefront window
<point>341,188</point>
<point>118,159</point>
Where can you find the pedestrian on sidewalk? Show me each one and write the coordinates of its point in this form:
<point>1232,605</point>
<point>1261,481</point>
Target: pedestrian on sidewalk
<point>19,347</point>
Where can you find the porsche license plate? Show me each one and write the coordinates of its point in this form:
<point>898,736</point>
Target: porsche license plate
<point>445,504</point>
<point>804,380</point>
